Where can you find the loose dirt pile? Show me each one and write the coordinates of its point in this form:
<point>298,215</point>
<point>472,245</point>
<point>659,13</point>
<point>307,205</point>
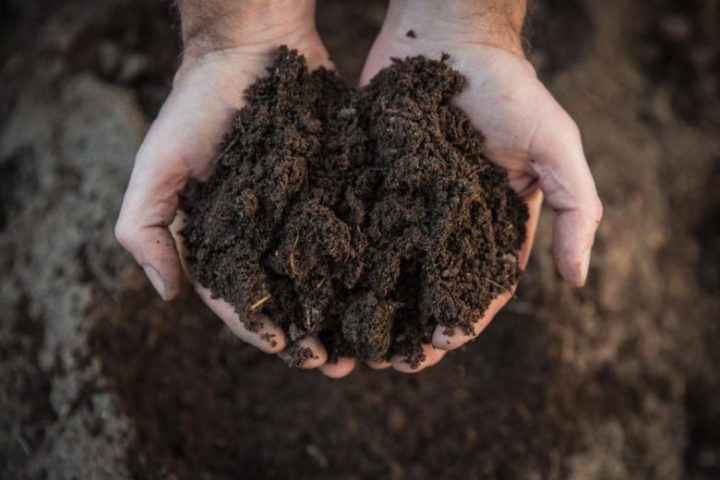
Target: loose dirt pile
<point>365,217</point>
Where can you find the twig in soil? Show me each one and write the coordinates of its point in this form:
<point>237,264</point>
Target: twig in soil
<point>20,438</point>
<point>231,144</point>
<point>401,114</point>
<point>495,283</point>
<point>513,296</point>
<point>480,169</point>
<point>291,256</point>
<point>308,322</point>
<point>222,218</point>
<point>468,245</point>
<point>259,303</point>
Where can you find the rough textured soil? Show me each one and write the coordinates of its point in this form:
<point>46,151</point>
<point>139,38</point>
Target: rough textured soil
<point>364,217</point>
<point>620,380</point>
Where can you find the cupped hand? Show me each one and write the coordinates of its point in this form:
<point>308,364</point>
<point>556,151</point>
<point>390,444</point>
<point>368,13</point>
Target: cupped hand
<point>183,143</point>
<point>527,133</point>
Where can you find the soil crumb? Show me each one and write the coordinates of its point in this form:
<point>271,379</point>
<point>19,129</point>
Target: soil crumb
<point>364,217</point>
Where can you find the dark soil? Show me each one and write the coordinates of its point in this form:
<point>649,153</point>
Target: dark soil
<point>681,50</point>
<point>365,217</point>
<point>557,33</point>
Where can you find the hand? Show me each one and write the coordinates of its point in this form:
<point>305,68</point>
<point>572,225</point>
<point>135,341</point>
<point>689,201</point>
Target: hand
<point>527,131</point>
<point>222,58</point>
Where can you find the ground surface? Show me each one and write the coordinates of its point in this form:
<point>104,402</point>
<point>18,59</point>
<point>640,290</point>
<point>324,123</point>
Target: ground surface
<point>99,379</point>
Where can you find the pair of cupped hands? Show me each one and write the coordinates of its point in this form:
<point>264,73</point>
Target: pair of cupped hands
<point>225,50</point>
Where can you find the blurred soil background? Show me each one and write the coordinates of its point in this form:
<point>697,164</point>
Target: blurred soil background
<point>619,380</point>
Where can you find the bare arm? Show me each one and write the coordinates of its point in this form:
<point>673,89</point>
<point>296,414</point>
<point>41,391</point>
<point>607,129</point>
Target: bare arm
<point>496,23</point>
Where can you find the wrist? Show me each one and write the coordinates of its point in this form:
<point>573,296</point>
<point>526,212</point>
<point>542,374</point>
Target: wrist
<point>213,25</point>
<point>497,23</point>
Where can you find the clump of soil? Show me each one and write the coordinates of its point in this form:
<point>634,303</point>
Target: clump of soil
<point>365,217</point>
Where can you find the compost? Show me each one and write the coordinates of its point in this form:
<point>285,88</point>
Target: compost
<point>365,217</point>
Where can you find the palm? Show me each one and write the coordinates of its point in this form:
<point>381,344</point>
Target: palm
<point>208,92</point>
<point>503,98</point>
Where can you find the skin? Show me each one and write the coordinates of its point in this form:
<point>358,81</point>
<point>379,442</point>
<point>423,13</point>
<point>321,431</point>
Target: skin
<point>228,44</point>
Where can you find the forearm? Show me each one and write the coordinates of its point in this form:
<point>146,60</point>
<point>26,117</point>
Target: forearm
<point>494,22</point>
<point>218,24</point>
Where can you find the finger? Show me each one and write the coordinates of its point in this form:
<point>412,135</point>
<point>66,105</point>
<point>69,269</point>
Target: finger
<point>181,143</point>
<point>142,227</point>
<point>446,338</point>
<point>341,368</point>
<point>317,355</point>
<point>149,206</point>
<point>564,176</point>
<point>269,337</point>
<point>378,365</point>
<point>432,357</point>
<point>435,358</point>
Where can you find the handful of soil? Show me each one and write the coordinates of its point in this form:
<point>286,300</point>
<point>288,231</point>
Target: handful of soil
<point>364,217</point>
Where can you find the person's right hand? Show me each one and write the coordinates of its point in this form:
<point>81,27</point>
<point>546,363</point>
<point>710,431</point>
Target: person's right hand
<point>225,51</point>
<point>527,132</point>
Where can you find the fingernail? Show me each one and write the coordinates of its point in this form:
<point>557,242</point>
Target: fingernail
<point>156,280</point>
<point>585,267</point>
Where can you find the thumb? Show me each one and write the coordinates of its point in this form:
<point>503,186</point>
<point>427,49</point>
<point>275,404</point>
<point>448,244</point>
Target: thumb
<point>181,144</point>
<point>148,209</point>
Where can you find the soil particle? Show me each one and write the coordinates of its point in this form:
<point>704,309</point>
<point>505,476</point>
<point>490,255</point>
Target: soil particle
<point>296,356</point>
<point>365,217</point>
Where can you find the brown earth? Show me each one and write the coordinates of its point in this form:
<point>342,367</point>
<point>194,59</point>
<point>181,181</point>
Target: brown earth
<point>363,217</point>
<point>620,380</point>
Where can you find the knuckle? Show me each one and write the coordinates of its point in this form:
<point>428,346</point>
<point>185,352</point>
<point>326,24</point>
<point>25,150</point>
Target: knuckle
<point>597,210</point>
<point>124,234</point>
